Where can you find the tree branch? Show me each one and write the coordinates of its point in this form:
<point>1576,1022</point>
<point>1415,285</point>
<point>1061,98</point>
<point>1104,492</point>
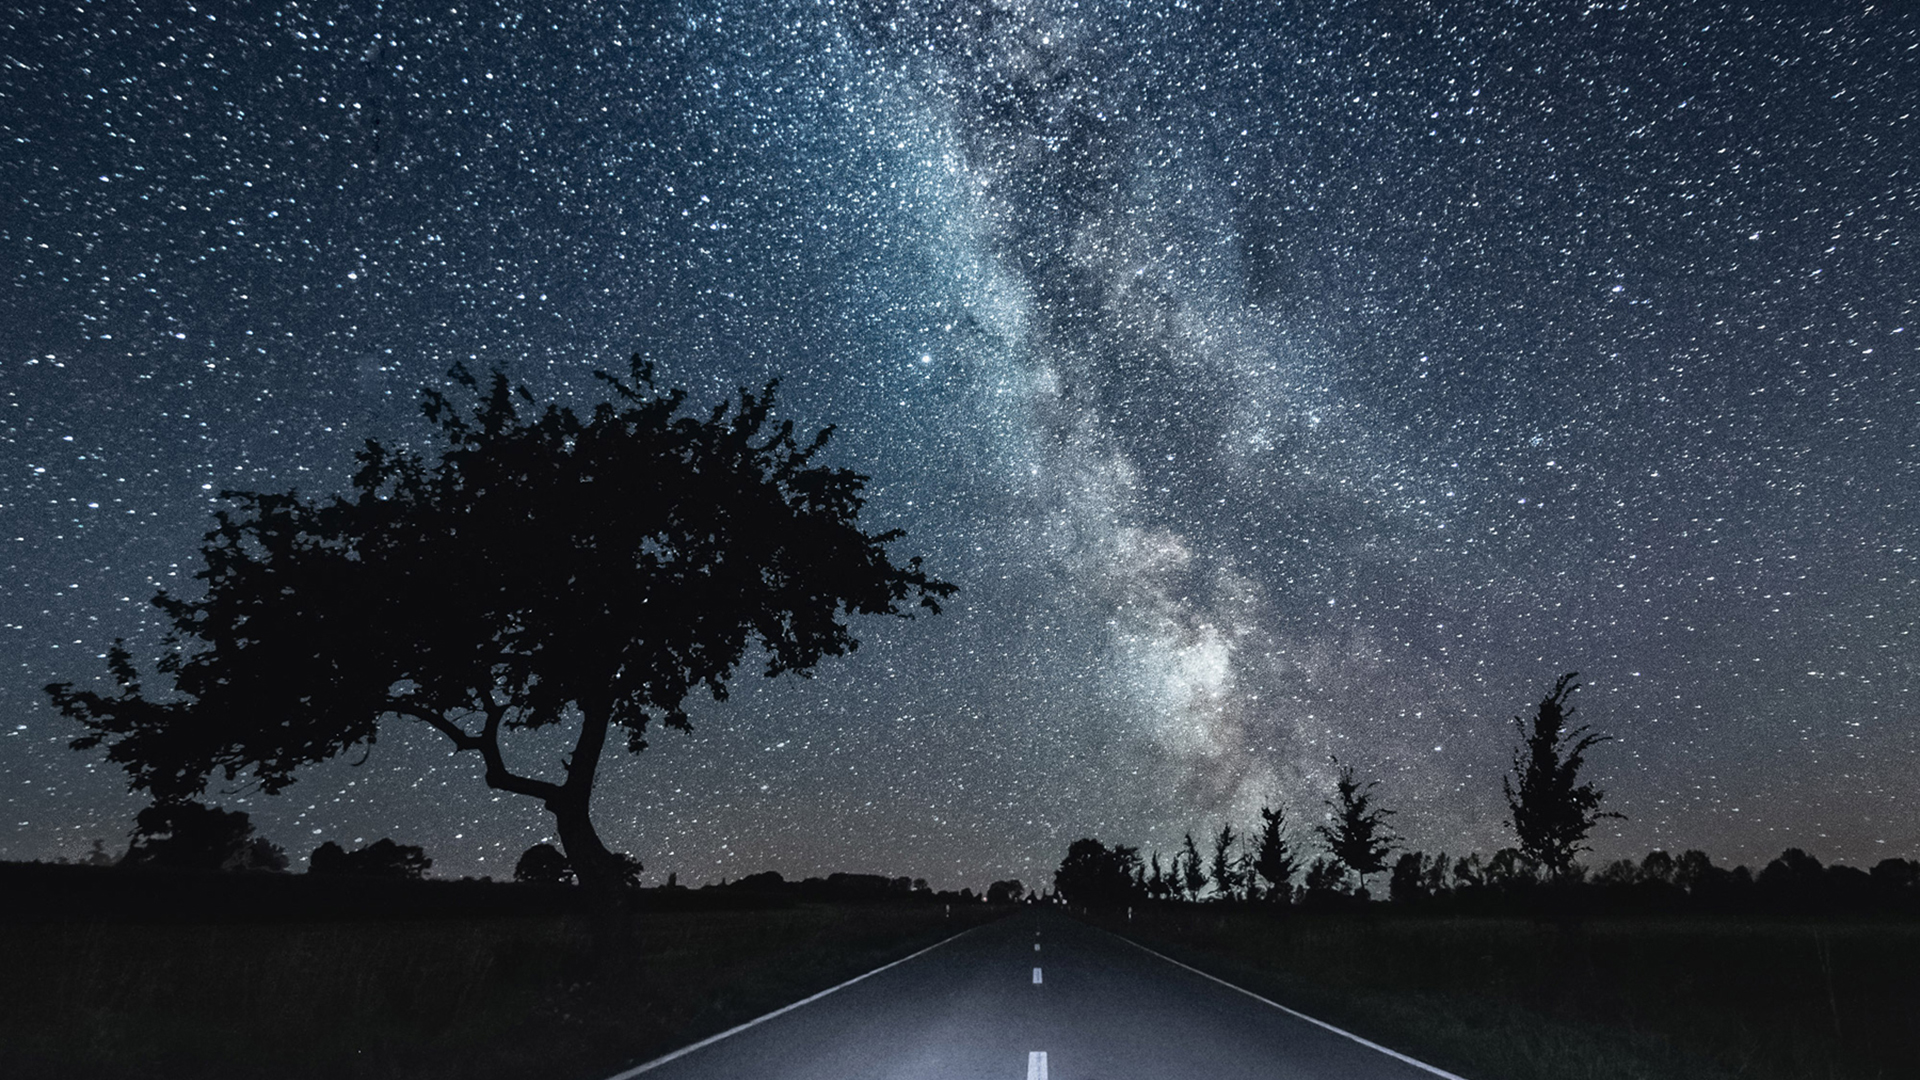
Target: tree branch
<point>462,741</point>
<point>487,744</point>
<point>498,777</point>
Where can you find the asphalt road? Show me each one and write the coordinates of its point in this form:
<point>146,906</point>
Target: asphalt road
<point>985,1005</point>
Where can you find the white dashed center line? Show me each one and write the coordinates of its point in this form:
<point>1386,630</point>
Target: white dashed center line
<point>1036,976</point>
<point>1036,946</point>
<point>1037,1065</point>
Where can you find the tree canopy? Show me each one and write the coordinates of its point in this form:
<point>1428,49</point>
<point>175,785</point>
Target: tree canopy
<point>547,568</point>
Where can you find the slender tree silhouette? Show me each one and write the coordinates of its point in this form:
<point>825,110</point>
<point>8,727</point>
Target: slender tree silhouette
<point>547,569</point>
<point>1192,876</point>
<point>1357,835</point>
<point>1551,812</point>
<point>1224,870</point>
<point>1159,884</point>
<point>1274,859</point>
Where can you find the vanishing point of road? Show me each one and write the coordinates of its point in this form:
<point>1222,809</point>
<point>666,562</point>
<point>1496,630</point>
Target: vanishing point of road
<point>1035,996</point>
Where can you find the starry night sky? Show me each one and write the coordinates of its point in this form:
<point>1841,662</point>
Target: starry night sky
<point>1277,381</point>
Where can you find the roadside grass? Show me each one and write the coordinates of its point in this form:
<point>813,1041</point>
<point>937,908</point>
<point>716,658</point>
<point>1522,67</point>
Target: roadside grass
<point>1632,998</point>
<point>506,997</point>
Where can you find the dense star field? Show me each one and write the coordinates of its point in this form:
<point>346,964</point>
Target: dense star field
<point>1276,380</point>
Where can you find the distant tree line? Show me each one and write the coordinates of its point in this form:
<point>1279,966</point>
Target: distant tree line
<point>1551,811</point>
<point>188,835</point>
<point>1095,875</point>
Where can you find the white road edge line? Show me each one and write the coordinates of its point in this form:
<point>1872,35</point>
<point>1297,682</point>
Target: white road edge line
<point>1295,1013</point>
<point>1037,1065</point>
<point>737,1029</point>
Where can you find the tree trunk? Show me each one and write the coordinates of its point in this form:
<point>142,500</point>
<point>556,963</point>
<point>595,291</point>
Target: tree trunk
<point>598,869</point>
<point>602,874</point>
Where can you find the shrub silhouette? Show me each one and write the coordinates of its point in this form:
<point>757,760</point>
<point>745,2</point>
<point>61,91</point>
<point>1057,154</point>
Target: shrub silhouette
<point>543,864</point>
<point>186,835</point>
<point>381,859</point>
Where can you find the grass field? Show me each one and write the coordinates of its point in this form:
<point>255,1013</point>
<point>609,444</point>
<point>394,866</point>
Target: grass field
<point>1617,998</point>
<point>421,998</point>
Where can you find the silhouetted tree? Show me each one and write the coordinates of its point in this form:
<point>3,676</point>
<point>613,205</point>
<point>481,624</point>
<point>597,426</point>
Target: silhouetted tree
<point>1243,873</point>
<point>1357,835</point>
<point>1006,892</point>
<point>1657,867</point>
<point>1896,876</point>
<point>1222,870</point>
<point>1795,881</point>
<point>1509,869</point>
<point>542,864</point>
<point>548,569</point>
<point>381,859</point>
<point>1326,881</point>
<point>1551,812</point>
<point>1274,859</point>
<point>1692,870</point>
<point>100,856</point>
<point>1093,875</point>
<point>264,855</point>
<point>1617,874</point>
<point>1193,875</point>
<point>1469,872</point>
<point>1411,881</point>
<point>187,835</point>
<point>1157,884</point>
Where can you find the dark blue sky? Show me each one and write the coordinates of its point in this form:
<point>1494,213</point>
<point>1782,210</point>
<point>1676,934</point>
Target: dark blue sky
<point>1277,381</point>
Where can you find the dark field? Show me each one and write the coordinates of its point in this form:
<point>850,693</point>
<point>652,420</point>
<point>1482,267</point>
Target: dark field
<point>468,996</point>
<point>1506,998</point>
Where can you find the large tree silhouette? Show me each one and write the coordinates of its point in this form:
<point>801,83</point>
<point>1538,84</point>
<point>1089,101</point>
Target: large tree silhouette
<point>546,569</point>
<point>1552,812</point>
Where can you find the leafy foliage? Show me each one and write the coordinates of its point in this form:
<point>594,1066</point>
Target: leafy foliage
<point>547,569</point>
<point>1551,810</point>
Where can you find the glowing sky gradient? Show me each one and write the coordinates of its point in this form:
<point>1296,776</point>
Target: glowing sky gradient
<point>1277,381</point>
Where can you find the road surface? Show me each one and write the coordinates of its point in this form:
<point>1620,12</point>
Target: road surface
<point>1035,996</point>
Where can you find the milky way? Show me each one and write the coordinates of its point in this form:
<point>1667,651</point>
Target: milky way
<point>1279,382</point>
